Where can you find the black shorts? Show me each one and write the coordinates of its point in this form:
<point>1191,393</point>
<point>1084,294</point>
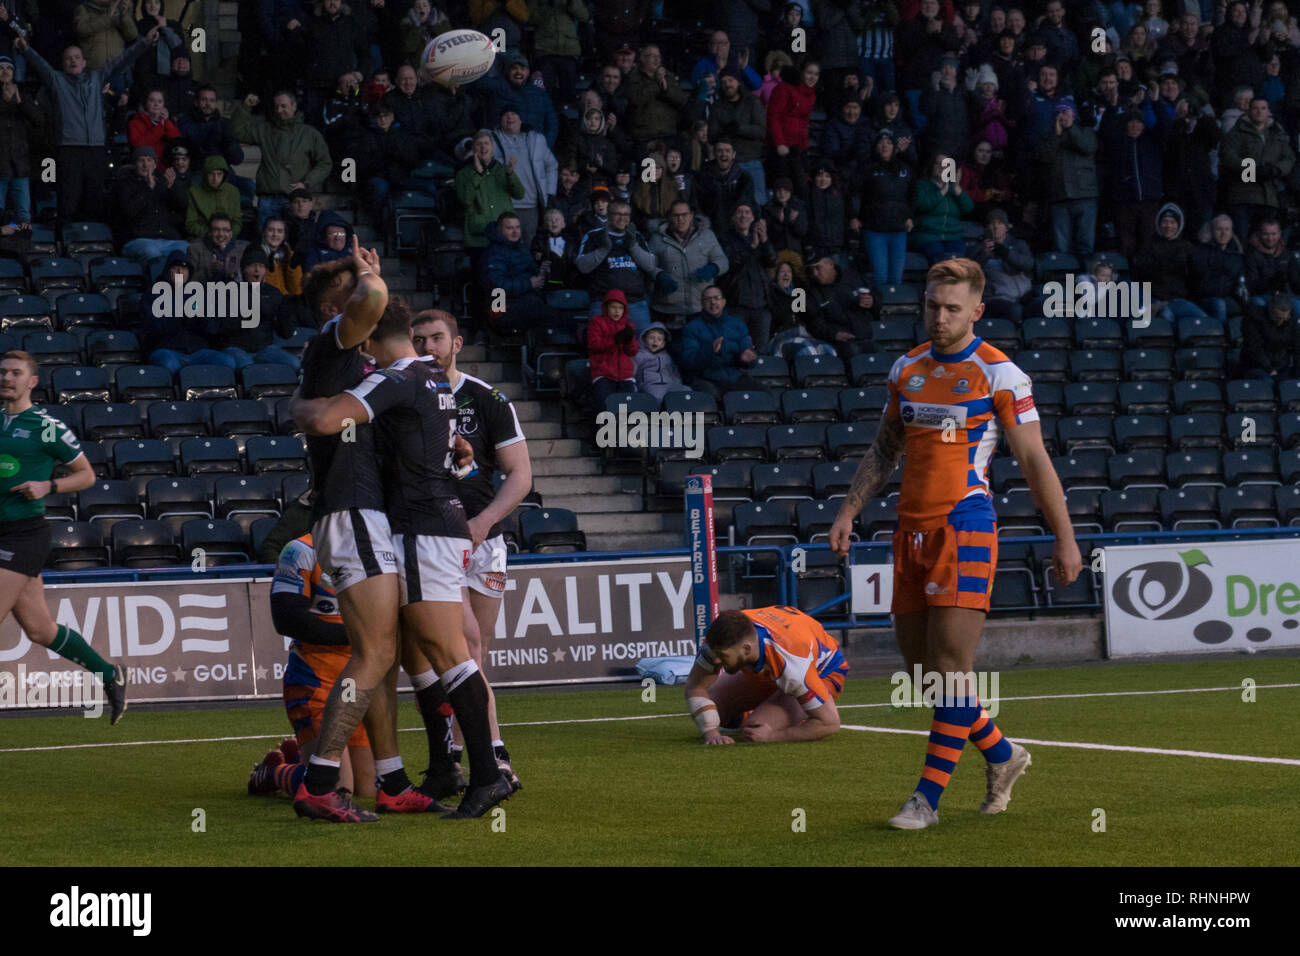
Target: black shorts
<point>24,545</point>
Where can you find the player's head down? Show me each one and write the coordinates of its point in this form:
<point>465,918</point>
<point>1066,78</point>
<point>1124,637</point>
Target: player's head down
<point>391,339</point>
<point>328,287</point>
<point>437,333</point>
<point>953,289</point>
<point>732,639</point>
<point>17,376</point>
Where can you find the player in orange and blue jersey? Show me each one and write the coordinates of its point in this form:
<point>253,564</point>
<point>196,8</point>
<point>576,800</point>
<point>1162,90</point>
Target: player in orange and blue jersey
<point>305,609</point>
<point>950,399</point>
<point>783,673</point>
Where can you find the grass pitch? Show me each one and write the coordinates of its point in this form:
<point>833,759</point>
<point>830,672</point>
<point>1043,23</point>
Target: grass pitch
<point>644,792</point>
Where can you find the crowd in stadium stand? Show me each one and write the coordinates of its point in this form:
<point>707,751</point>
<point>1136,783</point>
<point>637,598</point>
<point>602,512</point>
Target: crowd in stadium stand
<point>744,177</point>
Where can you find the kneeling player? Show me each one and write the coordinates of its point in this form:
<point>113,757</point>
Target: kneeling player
<point>783,673</point>
<point>304,608</point>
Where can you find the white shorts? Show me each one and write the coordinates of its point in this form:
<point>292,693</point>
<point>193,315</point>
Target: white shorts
<point>354,545</point>
<point>430,567</point>
<point>486,573</point>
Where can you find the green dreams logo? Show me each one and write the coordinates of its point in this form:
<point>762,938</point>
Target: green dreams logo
<point>8,466</point>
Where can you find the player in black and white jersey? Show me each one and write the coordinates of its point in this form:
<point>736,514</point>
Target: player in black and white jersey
<point>351,533</point>
<point>414,410</point>
<point>488,422</point>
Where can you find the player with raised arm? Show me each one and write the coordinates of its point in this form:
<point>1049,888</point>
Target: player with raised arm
<point>414,410</point>
<point>31,444</point>
<point>305,609</point>
<point>949,401</point>
<point>783,674</point>
<point>487,421</point>
<point>352,537</point>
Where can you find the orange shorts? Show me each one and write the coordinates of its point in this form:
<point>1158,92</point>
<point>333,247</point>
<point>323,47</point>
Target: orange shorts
<point>311,673</point>
<point>946,567</point>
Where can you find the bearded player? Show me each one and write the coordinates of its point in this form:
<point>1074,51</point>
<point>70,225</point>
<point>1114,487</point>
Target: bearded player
<point>950,399</point>
<point>782,675</point>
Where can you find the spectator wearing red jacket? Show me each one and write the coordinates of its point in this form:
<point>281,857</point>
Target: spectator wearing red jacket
<point>788,113</point>
<point>611,345</point>
<point>151,126</point>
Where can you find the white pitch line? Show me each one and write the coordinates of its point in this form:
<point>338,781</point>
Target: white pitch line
<point>607,720</point>
<point>1085,746</point>
<point>1111,693</point>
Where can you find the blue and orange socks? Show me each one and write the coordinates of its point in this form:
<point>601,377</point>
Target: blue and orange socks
<point>948,732</point>
<point>985,735</point>
<point>288,777</point>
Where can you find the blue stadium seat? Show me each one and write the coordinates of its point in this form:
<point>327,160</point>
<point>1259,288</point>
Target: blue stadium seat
<point>1143,467</point>
<point>221,541</point>
<point>1200,430</point>
<point>22,313</point>
<point>1250,466</point>
<point>878,520</point>
<point>268,454</point>
<point>786,479</point>
<point>786,442</point>
<point>1096,365</point>
<point>728,442</point>
<point>115,272</point>
<point>205,456</point>
<point>863,404</point>
<point>1148,364</point>
<point>810,405</point>
<point>85,308</point>
<point>145,456</point>
<point>694,403</point>
<point>1046,333</point>
<point>1092,333</point>
<point>551,530</point>
<point>207,382</point>
<point>76,546</point>
<point>1145,397</point>
<point>870,368</point>
<point>1250,395</point>
<point>819,370</point>
<point>144,543</point>
<point>1287,501</point>
<point>80,383</point>
<point>1195,466</point>
<point>751,407</point>
<point>13,280</point>
<point>1085,432</point>
<point>1131,509</point>
<point>1091,398</point>
<point>849,441</point>
<point>832,479</point>
<point>1193,507</point>
<point>56,273</point>
<point>53,348</point>
<point>1250,429</point>
<point>1198,396</point>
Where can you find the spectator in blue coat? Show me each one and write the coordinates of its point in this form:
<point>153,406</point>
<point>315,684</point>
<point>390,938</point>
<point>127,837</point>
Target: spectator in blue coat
<point>508,265</point>
<point>513,91</point>
<point>719,58</point>
<point>716,347</point>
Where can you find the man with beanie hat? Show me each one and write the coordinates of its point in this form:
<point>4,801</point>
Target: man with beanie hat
<point>247,344</point>
<point>147,209</point>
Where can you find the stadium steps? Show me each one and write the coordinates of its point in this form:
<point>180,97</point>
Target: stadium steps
<point>613,522</point>
<point>596,485</point>
<point>644,541</point>
<point>568,467</point>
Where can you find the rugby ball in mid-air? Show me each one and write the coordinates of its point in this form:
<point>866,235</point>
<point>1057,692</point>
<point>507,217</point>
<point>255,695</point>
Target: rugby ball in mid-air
<point>458,57</point>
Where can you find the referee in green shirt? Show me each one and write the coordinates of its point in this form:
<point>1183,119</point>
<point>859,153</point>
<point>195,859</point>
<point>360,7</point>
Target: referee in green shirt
<point>31,444</point>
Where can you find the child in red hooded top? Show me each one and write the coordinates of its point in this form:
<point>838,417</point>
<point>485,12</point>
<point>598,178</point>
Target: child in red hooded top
<point>611,344</point>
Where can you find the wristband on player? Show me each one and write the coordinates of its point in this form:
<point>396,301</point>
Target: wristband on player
<point>705,714</point>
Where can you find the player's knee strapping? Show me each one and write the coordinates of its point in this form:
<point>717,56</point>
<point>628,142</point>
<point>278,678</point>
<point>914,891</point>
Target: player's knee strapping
<point>985,735</point>
<point>948,732</point>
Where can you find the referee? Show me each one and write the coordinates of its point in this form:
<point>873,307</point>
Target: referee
<point>31,444</point>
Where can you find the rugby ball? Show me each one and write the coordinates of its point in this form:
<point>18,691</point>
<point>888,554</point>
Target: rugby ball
<point>458,57</point>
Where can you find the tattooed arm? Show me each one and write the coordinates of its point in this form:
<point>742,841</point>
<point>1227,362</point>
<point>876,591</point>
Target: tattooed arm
<point>872,474</point>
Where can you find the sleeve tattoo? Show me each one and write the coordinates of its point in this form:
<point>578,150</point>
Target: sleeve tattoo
<point>877,465</point>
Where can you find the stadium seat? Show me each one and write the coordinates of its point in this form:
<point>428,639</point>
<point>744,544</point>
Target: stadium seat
<point>1131,509</point>
<point>13,280</point>
<point>1145,397</point>
<point>1197,396</point>
<point>44,242</point>
<point>177,500</point>
<point>70,415</point>
<point>1248,506</point>
<point>1084,508</point>
<point>751,407</point>
<point>22,313</point>
<point>266,380</point>
<point>108,502</point>
<point>143,383</point>
<point>819,370</point>
<point>849,441</point>
<point>132,458</point>
<point>1288,461</point>
<point>1190,508</point>
<point>831,479</point>
<point>1085,432</point>
<point>870,368</point>
<point>103,422</point>
<point>788,479</point>
<point>1092,333</point>
<point>1006,477</point>
<point>297,341</point>
<point>1054,266</point>
<point>411,209</point>
<point>820,582</point>
<point>915,266</point>
<point>1202,430</point>
<point>1000,333</point>
<point>1141,431</point>
<point>1043,365</point>
<point>670,479</point>
<point>144,543</point>
<point>863,404</point>
<point>1045,333</point>
<point>274,453</point>
<point>810,405</point>
<point>60,506</point>
<point>1014,585</point>
<point>796,441</point>
<point>1141,468</point>
<point>257,533</point>
<point>178,420</point>
<point>732,483</point>
<point>1083,591</point>
<point>770,371</point>
<point>1090,398</point>
<point>293,485</point>
<point>551,531</point>
<point>80,238</point>
<point>1250,429</point>
<point>546,353</point>
<point>815,519</point>
<point>1082,469</point>
<point>95,454</point>
<point>201,456</point>
<point>1202,363</point>
<point>79,383</point>
<point>85,309</point>
<point>901,299</point>
<point>1096,365</point>
<point>1250,395</point>
<point>245,498</point>
<point>1018,516</point>
<point>1049,398</point>
<point>239,418</point>
<point>892,334</point>
<point>1200,331</point>
<point>1288,395</point>
<point>53,348</point>
<point>1286,500</point>
<point>1159,333</point>
<point>284,423</point>
<point>1288,429</point>
<point>728,442</point>
<point>222,542</point>
<point>1195,466</point>
<point>76,546</point>
<point>207,382</point>
<point>694,403</point>
<point>56,273</point>
<point>879,519</point>
<point>766,523</point>
<point>1148,365</point>
<point>112,347</point>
